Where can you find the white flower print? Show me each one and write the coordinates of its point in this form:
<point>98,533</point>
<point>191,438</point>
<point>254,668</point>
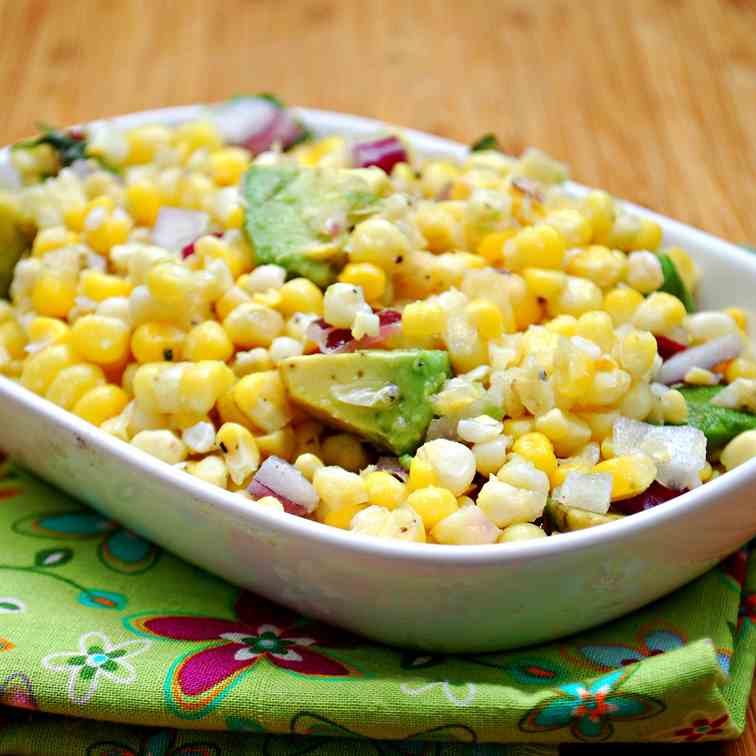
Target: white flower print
<point>97,657</point>
<point>448,689</point>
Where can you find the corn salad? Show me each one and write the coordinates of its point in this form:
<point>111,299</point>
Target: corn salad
<point>553,310</point>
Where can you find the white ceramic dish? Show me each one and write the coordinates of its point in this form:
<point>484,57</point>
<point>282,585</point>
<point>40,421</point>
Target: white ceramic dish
<point>443,598</point>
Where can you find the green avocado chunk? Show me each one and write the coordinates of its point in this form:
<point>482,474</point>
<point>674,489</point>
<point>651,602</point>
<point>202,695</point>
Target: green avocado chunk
<point>719,424</point>
<point>384,396</point>
<point>564,518</point>
<point>673,283</point>
<point>13,243</point>
<point>289,209</point>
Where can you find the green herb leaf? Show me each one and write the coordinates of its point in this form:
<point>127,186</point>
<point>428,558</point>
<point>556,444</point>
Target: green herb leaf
<point>486,142</point>
<point>673,283</point>
<point>69,147</point>
<point>719,424</point>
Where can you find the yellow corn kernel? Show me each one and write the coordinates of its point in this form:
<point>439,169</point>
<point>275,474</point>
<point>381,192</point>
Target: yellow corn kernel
<point>143,202</point>
<point>379,241</point>
<point>597,326</point>
<point>47,331</point>
<point>103,230</point>
<point>739,450</point>
<point>600,423</point>
<point>422,474</point>
<point>537,448</point>
<point>607,448</point>
<point>98,286</point>
<point>157,342</point>
<point>491,247</point>
<point>521,531</point>
<point>740,367</point>
<point>342,517</point>
<point>13,339</point>
<point>605,267</point>
<point>486,318</point>
<point>170,283</point>
<point>253,325</point>
<point>162,444</point>
<point>281,443</point>
<point>423,320</point>
<point>312,154</point>
<point>631,474</point>
<point>51,238</point>
<point>621,304</point>
<point>370,277</point>
<point>638,353</point>
<point>234,297</point>
<point>436,175</point>
<point>72,382</point>
<point>706,472</point>
<point>441,230</point>
<point>308,464</point>
<point>598,207</point>
<point>144,142</point>
<point>195,135</point>
<point>739,316</point>
<point>659,313</point>
<point>229,412</point>
<point>544,283</point>
<point>564,325</point>
<point>262,399</point>
<point>207,341</point>
<point>101,403</point>
<point>240,451</point>
<point>201,384</point>
<point>674,407</point>
<point>518,427</point>
<point>76,215</point>
<point>567,432</point>
<point>270,298</point>
<point>41,368</point>
<point>384,489</point>
<point>648,236</point>
<point>538,246</point>
<point>578,295</point>
<point>212,469</point>
<point>344,450</point>
<point>432,504</point>
<point>686,268</point>
<point>338,488</point>
<point>100,339</point>
<point>301,295</point>
<point>575,228</point>
<point>228,164</point>
<point>53,295</point>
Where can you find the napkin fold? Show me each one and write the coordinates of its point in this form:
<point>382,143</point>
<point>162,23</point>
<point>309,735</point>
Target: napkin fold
<point>110,646</point>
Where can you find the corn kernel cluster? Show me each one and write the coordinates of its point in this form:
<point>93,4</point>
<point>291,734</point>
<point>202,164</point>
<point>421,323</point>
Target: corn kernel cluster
<point>549,307</point>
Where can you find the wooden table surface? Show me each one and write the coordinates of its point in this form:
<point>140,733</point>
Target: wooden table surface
<point>653,100</point>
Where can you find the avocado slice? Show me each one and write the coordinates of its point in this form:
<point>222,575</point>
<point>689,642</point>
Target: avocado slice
<point>384,396</point>
<point>719,424</point>
<point>288,210</point>
<point>673,283</point>
<point>564,518</point>
<point>13,242</point>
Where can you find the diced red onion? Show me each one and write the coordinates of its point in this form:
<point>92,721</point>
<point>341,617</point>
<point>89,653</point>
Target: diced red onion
<point>384,153</point>
<point>705,356</point>
<point>256,123</point>
<point>188,250</point>
<point>332,340</point>
<point>654,495</point>
<point>392,465</point>
<point>668,347</point>
<point>283,481</point>
<point>176,227</point>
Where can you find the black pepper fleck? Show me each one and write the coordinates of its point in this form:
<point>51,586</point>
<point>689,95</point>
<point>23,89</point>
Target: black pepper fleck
<point>223,448</point>
<point>168,355</point>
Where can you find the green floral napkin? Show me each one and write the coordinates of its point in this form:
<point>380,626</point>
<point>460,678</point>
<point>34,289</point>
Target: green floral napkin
<point>98,624</point>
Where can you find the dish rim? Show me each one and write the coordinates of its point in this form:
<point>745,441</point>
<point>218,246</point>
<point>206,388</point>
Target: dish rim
<point>238,508</point>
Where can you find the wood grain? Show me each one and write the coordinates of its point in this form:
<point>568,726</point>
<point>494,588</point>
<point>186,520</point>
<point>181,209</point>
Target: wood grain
<point>653,100</point>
